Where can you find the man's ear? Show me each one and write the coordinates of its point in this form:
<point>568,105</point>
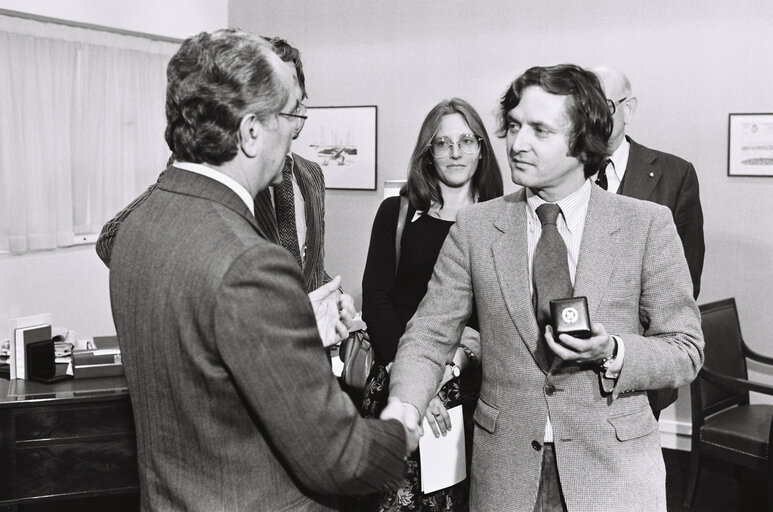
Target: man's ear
<point>629,109</point>
<point>250,132</point>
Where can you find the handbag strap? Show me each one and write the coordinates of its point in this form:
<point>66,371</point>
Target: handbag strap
<point>400,227</point>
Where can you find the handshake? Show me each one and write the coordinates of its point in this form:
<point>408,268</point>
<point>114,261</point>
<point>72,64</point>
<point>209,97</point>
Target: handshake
<point>409,416</point>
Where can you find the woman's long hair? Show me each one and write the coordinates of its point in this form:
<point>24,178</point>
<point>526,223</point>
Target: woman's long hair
<point>422,187</point>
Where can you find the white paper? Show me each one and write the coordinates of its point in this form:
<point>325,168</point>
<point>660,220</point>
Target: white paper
<point>443,461</point>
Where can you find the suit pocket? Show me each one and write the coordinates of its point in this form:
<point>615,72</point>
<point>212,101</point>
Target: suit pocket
<point>635,424</point>
<point>486,416</point>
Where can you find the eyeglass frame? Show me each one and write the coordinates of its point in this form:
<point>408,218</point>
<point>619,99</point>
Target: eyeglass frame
<point>299,118</point>
<point>613,104</point>
<point>458,144</point>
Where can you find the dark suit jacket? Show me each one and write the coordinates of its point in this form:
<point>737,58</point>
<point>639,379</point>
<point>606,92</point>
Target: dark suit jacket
<point>234,403</point>
<point>632,270</point>
<point>310,180</point>
<point>668,180</point>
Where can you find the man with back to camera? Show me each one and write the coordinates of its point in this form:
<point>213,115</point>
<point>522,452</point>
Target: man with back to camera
<point>234,404</point>
<point>291,213</point>
<point>637,171</point>
<point>562,423</point>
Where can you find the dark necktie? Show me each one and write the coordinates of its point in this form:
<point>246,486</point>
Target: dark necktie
<point>284,205</point>
<point>550,269</point>
<point>601,177</point>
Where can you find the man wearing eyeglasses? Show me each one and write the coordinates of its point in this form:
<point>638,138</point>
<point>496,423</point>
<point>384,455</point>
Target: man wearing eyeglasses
<point>637,171</point>
<point>234,404</point>
<point>291,214</point>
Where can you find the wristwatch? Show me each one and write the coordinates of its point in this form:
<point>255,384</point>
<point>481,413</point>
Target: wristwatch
<point>607,361</point>
<point>455,370</point>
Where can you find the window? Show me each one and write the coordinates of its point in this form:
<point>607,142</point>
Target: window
<point>81,130</point>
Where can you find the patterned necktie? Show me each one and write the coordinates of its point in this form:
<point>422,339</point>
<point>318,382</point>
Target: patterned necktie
<point>550,269</point>
<point>284,205</point>
<point>601,177</point>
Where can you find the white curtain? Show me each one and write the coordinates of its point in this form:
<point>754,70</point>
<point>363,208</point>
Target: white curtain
<point>81,128</point>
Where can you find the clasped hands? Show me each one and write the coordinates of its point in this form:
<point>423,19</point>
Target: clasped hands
<point>410,419</point>
<point>334,312</point>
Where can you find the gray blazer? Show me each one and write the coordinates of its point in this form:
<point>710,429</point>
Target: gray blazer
<point>633,272</point>
<point>234,403</point>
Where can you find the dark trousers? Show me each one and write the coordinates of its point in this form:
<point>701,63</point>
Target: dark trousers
<point>550,498</point>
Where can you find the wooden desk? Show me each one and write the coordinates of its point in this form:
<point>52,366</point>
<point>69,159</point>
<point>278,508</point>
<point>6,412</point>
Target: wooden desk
<point>72,439</point>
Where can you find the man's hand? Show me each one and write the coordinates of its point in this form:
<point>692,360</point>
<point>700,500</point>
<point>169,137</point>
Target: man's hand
<point>591,350</point>
<point>346,314</point>
<point>325,302</point>
<point>437,417</point>
<point>408,415</point>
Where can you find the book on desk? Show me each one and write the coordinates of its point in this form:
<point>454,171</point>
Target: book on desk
<point>103,360</point>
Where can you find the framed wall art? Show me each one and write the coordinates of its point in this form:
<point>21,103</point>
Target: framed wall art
<point>342,140</point>
<point>750,145</point>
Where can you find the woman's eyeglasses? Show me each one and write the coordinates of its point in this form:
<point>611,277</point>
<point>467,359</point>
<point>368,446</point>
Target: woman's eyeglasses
<point>442,146</point>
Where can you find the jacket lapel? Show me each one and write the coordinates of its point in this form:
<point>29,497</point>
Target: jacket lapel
<point>265,216</point>
<point>511,265</point>
<point>312,208</point>
<point>641,174</point>
<point>598,250</point>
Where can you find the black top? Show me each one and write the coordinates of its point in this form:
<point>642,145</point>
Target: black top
<point>389,300</point>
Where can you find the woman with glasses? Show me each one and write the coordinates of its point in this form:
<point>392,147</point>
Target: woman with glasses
<point>452,166</point>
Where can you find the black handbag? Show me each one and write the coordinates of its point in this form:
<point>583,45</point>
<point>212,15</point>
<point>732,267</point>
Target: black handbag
<point>356,351</point>
<point>357,354</point>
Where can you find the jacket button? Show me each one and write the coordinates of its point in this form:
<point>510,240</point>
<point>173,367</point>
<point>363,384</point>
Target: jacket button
<point>536,445</point>
<point>550,389</point>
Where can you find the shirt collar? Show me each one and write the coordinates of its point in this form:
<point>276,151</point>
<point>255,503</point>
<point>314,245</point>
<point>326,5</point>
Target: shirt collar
<point>573,207</point>
<point>218,176</point>
<point>620,158</point>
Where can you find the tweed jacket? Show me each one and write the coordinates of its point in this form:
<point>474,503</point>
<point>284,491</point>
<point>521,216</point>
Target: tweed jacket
<point>310,180</point>
<point>632,270</point>
<point>234,403</point>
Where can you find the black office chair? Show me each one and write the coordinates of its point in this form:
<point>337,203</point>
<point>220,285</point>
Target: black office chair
<point>724,424</point>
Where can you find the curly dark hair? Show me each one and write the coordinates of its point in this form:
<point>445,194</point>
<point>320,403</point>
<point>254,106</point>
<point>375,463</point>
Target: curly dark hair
<point>586,107</point>
<point>213,81</point>
<point>422,187</point>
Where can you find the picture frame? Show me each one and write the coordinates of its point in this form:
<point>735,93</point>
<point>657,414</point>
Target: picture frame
<point>342,140</point>
<point>750,145</point>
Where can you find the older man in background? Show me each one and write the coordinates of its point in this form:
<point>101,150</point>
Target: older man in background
<point>637,171</point>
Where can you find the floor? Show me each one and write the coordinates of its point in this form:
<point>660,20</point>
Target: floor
<point>721,489</point>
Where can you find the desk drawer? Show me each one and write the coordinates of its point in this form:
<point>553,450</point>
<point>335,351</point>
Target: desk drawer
<point>60,423</point>
<point>57,469</point>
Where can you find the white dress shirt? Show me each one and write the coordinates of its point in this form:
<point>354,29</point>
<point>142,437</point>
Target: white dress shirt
<point>571,225</point>
<point>221,178</point>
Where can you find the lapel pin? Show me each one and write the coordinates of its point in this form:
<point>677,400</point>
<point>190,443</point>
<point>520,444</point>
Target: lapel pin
<point>652,174</point>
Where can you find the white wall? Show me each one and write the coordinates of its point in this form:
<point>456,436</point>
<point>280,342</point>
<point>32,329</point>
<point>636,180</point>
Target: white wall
<point>72,284</point>
<point>691,63</point>
<point>170,18</point>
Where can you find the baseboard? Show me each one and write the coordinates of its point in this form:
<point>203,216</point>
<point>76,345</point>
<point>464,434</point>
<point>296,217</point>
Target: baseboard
<point>675,434</point>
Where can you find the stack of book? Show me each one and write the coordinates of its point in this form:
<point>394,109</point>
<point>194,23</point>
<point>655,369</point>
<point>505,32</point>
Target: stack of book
<point>103,360</point>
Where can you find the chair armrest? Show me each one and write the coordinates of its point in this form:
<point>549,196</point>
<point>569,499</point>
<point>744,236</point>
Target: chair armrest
<point>756,356</point>
<point>734,383</point>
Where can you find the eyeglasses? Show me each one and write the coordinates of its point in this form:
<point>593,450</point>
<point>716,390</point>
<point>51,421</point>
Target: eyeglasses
<point>442,146</point>
<point>298,115</point>
<point>613,104</point>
